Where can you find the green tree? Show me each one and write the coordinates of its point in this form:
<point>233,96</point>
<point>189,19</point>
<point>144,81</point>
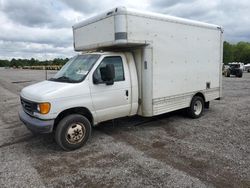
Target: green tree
<point>4,63</point>
<point>239,52</point>
<point>228,53</point>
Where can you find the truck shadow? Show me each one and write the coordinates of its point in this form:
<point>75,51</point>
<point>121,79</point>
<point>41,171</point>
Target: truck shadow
<point>135,122</point>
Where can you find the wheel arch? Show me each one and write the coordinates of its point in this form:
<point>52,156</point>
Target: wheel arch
<point>200,94</point>
<point>76,110</point>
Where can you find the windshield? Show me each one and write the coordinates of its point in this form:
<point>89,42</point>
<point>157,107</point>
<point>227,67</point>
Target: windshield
<point>235,65</point>
<point>76,69</point>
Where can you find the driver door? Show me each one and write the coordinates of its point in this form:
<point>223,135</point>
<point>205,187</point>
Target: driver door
<point>112,101</point>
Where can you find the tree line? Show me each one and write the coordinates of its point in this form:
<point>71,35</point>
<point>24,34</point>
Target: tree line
<point>239,52</point>
<point>31,62</point>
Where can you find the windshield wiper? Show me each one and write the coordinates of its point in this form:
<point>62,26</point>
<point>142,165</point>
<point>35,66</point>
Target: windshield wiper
<point>63,79</point>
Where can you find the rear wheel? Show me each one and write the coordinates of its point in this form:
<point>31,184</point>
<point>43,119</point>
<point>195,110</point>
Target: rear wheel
<point>239,74</point>
<point>73,132</point>
<point>196,107</point>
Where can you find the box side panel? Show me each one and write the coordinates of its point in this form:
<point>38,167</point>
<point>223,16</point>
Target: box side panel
<point>186,61</point>
<point>103,32</point>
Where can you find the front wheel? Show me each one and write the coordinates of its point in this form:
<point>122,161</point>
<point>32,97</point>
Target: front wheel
<point>72,132</point>
<point>196,107</point>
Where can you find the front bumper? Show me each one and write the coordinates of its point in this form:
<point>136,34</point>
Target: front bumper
<point>36,125</point>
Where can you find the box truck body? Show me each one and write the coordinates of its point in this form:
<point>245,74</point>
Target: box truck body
<point>131,62</point>
<point>176,58</point>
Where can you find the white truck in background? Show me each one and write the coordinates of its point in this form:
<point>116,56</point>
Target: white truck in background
<point>132,63</point>
<point>247,67</point>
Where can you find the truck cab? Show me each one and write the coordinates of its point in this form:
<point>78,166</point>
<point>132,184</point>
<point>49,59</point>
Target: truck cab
<point>100,86</point>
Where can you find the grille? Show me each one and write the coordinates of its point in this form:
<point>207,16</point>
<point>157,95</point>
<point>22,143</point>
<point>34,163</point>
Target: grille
<point>28,106</point>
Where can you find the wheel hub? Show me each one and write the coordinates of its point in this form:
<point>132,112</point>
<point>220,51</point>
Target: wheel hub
<point>75,133</point>
<point>197,107</point>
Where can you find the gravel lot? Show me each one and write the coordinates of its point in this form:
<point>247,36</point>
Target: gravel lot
<point>165,151</point>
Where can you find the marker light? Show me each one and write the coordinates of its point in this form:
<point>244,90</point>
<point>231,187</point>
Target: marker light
<point>44,108</point>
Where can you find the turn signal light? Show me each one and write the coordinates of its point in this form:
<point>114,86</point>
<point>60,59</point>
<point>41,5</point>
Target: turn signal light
<point>44,108</point>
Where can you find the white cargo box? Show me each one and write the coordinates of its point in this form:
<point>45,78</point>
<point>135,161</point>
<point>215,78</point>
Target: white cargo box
<point>179,57</point>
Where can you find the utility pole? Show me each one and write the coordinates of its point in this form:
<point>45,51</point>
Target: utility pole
<point>45,67</point>
<point>46,74</point>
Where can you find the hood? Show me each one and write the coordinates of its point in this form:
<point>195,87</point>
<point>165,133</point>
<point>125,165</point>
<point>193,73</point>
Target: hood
<point>47,90</point>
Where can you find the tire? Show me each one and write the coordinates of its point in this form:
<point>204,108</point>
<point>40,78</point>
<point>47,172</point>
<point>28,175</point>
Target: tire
<point>228,73</point>
<point>72,132</point>
<point>239,74</point>
<point>196,107</point>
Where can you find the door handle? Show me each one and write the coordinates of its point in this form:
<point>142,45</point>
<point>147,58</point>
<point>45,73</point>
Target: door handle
<point>126,93</point>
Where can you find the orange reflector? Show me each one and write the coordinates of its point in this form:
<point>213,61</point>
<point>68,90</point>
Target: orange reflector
<point>44,108</point>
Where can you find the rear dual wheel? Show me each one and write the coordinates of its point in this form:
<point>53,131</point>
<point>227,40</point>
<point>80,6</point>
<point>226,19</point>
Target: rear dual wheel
<point>196,107</point>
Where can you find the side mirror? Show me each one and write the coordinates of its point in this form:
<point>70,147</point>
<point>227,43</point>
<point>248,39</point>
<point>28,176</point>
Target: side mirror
<point>108,74</point>
<point>95,79</point>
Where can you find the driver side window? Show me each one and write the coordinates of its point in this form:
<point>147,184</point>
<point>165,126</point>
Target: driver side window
<point>119,71</point>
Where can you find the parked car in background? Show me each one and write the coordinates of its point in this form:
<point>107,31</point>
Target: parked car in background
<point>235,69</point>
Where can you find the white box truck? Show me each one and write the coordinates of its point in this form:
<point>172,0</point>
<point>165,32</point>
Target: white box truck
<point>131,62</point>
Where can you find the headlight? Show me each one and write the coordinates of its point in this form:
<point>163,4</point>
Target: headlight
<point>43,108</point>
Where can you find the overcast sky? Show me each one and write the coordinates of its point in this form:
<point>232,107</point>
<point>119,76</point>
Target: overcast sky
<point>43,28</point>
